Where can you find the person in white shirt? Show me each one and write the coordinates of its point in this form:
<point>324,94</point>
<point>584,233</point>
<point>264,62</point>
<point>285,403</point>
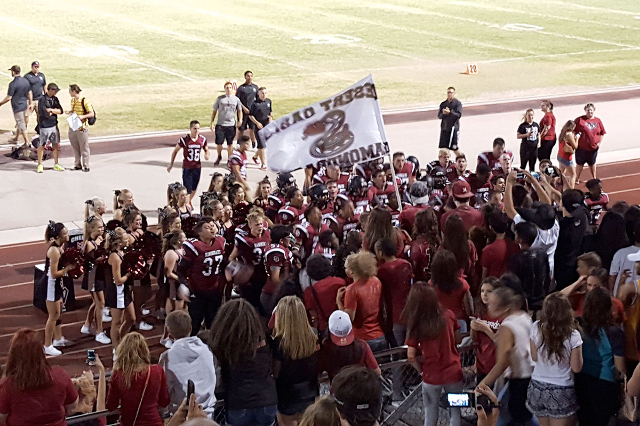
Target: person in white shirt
<point>188,359</point>
<point>621,263</point>
<point>556,346</point>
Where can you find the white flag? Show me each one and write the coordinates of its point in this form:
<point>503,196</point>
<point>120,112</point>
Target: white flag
<point>344,129</point>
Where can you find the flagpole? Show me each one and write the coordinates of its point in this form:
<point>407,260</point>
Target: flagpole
<point>395,182</point>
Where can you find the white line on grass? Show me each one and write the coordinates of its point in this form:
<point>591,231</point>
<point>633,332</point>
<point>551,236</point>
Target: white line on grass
<point>553,55</point>
<point>595,8</point>
<point>394,27</point>
<point>86,46</point>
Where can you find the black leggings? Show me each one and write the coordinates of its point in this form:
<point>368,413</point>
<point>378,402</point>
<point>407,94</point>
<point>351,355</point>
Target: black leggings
<point>544,152</point>
<point>528,154</point>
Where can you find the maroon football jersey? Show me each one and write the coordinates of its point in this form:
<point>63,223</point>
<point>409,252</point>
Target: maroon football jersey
<point>191,151</point>
<point>276,256</point>
<point>360,204</point>
<point>420,255</point>
<point>289,215</point>
<point>307,237</point>
<point>343,180</point>
<point>276,201</point>
<point>251,247</point>
<point>381,194</point>
<point>204,260</point>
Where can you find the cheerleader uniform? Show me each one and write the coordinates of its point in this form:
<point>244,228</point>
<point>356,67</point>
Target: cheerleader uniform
<point>116,297</point>
<point>144,281</point>
<point>185,215</point>
<point>93,279</point>
<point>54,285</point>
<point>171,283</point>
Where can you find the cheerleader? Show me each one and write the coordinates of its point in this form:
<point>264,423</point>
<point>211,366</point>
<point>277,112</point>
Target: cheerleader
<point>118,290</point>
<point>178,199</point>
<point>56,235</point>
<point>93,280</point>
<point>122,198</point>
<point>95,207</point>
<point>241,208</point>
<point>172,254</point>
<point>261,198</point>
<point>169,221</point>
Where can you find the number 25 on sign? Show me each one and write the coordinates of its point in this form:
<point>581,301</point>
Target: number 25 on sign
<point>472,69</point>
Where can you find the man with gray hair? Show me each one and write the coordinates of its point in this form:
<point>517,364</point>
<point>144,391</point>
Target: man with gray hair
<point>21,98</point>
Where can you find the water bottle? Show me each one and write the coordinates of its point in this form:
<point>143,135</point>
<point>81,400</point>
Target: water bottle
<point>325,386</point>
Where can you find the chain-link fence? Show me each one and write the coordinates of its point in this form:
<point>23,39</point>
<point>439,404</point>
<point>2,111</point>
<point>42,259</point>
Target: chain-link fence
<point>402,389</point>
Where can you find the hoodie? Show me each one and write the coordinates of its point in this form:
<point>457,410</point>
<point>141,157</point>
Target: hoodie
<point>190,359</point>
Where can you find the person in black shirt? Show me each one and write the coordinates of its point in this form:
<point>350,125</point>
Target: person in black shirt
<point>260,115</point>
<point>450,112</point>
<point>38,82</point>
<point>573,227</point>
<point>529,132</point>
<point>531,265</point>
<point>48,109</point>
<point>247,93</point>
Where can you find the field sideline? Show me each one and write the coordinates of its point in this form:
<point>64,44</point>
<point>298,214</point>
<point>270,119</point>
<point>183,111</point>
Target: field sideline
<point>152,65</point>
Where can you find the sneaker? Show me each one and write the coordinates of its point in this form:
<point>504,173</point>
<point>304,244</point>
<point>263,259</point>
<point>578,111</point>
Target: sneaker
<point>77,168</point>
<point>144,326</point>
<point>145,311</point>
<point>58,167</point>
<point>106,318</point>
<point>86,169</point>
<point>263,167</point>
<point>61,342</point>
<point>102,338</point>
<point>166,342</point>
<point>85,330</point>
<point>40,169</point>
<point>51,351</point>
<point>255,160</point>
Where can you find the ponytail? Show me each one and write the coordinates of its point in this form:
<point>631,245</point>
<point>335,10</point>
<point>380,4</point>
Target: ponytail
<point>172,193</point>
<point>169,240</point>
<point>91,205</point>
<point>53,231</point>
<point>90,224</point>
<point>115,239</point>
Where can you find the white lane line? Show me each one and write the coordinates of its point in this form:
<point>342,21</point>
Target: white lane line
<point>13,246</point>
<point>594,8</point>
<point>553,55</point>
<point>393,27</point>
<point>623,191</point>
<point>11,265</point>
<point>15,285</point>
<point>621,176</point>
<point>113,55</point>
<point>2,336</point>
<point>78,351</point>
<point>30,305</point>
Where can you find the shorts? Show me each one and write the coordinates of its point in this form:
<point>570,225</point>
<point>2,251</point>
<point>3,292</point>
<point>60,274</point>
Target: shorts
<point>449,139</point>
<point>583,156</point>
<point>247,123</point>
<point>225,133</point>
<point>21,120</point>
<point>261,143</point>
<point>47,134</point>
<point>191,179</point>
<point>547,400</point>
<point>566,163</point>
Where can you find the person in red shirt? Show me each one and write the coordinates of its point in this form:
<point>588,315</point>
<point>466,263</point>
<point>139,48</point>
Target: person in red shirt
<point>238,161</point>
<point>361,300</point>
<point>492,158</point>
<point>484,329</point>
<point>320,296</point>
<point>308,232</point>
<point>278,264</point>
<point>461,193</point>
<point>136,386</point>
<point>292,213</point>
<point>405,171</point>
<point>31,391</point>
<point>191,145</point>
<point>591,131</point>
<point>547,131</point>
<point>458,171</point>
<point>333,172</point>
<point>426,240</point>
<point>396,276</point>
<point>596,200</point>
<point>577,293</point>
<point>495,256</point>
<point>433,332</point>
<point>202,266</point>
<point>480,183</point>
<point>380,189</point>
<point>453,291</point>
<point>332,188</point>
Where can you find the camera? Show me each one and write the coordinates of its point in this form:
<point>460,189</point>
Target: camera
<point>550,171</point>
<point>91,357</point>
<point>470,399</point>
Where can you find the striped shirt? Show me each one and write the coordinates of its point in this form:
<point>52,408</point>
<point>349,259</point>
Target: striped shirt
<point>76,106</point>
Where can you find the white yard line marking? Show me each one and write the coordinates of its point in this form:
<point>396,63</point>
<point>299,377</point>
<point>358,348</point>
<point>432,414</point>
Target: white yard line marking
<point>113,55</point>
<point>78,351</point>
<point>594,8</point>
<point>552,55</point>
<point>30,305</point>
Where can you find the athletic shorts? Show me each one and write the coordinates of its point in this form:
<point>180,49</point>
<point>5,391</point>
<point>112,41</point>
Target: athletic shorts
<point>48,134</point>
<point>225,133</point>
<point>261,144</point>
<point>247,123</point>
<point>21,120</point>
<point>583,156</point>
<point>449,139</point>
<point>191,179</point>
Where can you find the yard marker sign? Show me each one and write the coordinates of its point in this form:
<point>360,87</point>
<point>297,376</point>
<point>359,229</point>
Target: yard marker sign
<point>472,69</point>
<point>345,129</point>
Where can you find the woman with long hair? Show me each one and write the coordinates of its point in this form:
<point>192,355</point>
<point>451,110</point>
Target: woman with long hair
<point>56,235</point>
<point>217,180</point>
<point>239,343</point>
<point>568,144</point>
<point>295,360</point>
<point>547,131</point>
<point>426,240</point>
<point>93,280</point>
<point>118,295</point>
<point>513,354</point>
<point>556,346</point>
<point>456,239</point>
<point>237,198</point>
<point>603,347</point>
<point>484,329</point>
<point>31,391</point>
<point>610,237</point>
<point>529,135</point>
<point>363,298</point>
<point>172,253</point>
<point>178,199</point>
<point>261,196</point>
<point>379,226</point>
<point>323,412</point>
<point>433,331</point>
<point>137,386</point>
<point>169,221</point>
<point>453,291</point>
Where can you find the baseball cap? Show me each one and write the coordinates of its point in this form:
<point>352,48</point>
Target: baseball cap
<point>53,86</point>
<point>461,189</point>
<point>340,328</point>
<point>419,189</point>
<point>15,68</point>
<point>35,64</point>
<point>543,215</point>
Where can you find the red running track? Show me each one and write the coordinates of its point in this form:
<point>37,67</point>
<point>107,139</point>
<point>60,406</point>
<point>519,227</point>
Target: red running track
<point>619,180</point>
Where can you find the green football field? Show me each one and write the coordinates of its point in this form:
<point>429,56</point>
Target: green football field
<point>156,64</point>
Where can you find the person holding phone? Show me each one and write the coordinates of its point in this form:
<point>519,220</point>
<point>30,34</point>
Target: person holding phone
<point>90,398</point>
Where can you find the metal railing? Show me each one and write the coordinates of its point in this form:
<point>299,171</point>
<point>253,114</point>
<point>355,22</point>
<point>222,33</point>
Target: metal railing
<point>79,418</point>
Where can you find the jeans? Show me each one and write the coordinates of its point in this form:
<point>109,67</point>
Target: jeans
<point>263,416</point>
<point>378,344</point>
<point>431,401</point>
<point>399,332</point>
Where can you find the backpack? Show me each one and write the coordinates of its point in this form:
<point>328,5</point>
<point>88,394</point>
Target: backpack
<point>91,120</point>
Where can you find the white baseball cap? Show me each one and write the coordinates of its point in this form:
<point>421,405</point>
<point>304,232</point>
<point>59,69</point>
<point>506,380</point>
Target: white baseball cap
<point>340,328</point>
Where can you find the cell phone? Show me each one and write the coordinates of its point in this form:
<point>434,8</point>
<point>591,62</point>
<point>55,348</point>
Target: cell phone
<point>520,175</point>
<point>550,171</point>
<point>191,388</point>
<point>470,399</point>
<point>91,357</point>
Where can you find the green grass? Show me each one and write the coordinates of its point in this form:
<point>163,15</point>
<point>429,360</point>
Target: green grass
<point>414,49</point>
